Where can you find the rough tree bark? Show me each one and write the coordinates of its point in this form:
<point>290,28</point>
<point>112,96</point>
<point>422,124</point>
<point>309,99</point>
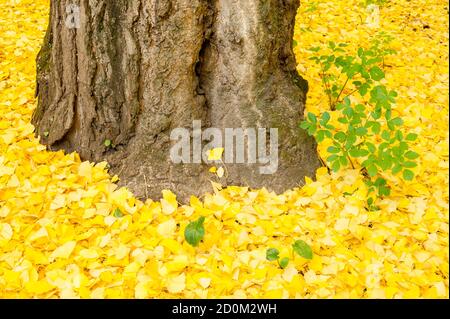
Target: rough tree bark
<point>136,69</point>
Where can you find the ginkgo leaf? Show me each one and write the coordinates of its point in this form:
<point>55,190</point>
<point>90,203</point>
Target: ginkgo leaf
<point>220,172</point>
<point>63,251</point>
<point>215,154</point>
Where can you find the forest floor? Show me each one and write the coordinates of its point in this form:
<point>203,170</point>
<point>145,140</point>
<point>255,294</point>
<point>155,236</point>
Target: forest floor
<point>59,236</point>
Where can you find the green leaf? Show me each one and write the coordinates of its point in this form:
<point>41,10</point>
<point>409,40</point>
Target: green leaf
<point>314,49</point>
<point>342,120</point>
<point>347,101</point>
<point>376,73</point>
<point>363,89</point>
<point>396,151</point>
<point>383,146</point>
<point>397,121</point>
<point>336,166</point>
<point>284,262</point>
<point>396,169</point>
<point>371,147</point>
<point>372,170</point>
<point>46,134</point>
<point>312,117</point>
<point>376,128</point>
<point>332,158</point>
<point>409,164</point>
<point>386,135</point>
<point>361,131</point>
<point>333,150</point>
<point>351,139</point>
<point>384,191</point>
<point>360,52</point>
<point>403,146</point>
<point>320,136</point>
<point>325,118</point>
<point>340,136</point>
<point>312,130</point>
<point>388,115</point>
<point>391,126</point>
<point>411,155</point>
<point>358,152</point>
<point>305,125</point>
<point>348,111</point>
<point>363,153</point>
<point>360,108</point>
<point>118,213</point>
<point>408,175</point>
<point>369,161</point>
<point>108,143</point>
<point>303,249</point>
<point>272,254</point>
<point>380,182</point>
<point>354,152</point>
<point>376,114</point>
<point>195,232</point>
<point>373,61</point>
<point>385,163</point>
<point>411,137</point>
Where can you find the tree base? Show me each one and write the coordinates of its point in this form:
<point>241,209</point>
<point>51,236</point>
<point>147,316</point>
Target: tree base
<point>136,70</point>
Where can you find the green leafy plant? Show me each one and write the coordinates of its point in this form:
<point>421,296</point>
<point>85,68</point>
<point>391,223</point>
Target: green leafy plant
<point>195,232</point>
<point>109,144</point>
<point>273,254</point>
<point>362,124</point>
<point>380,46</point>
<point>300,247</point>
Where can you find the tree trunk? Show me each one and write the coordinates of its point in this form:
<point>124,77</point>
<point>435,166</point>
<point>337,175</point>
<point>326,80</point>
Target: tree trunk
<point>135,70</point>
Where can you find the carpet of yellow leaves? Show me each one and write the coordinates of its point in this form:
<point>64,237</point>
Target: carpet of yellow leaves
<point>59,238</point>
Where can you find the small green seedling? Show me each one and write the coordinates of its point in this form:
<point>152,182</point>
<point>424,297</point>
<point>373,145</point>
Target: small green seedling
<point>195,232</point>
<point>118,213</point>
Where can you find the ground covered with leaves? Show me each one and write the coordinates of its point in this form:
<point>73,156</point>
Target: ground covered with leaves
<point>66,229</point>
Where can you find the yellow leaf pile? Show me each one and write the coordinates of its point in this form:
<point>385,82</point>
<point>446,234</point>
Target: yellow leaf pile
<point>61,235</point>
